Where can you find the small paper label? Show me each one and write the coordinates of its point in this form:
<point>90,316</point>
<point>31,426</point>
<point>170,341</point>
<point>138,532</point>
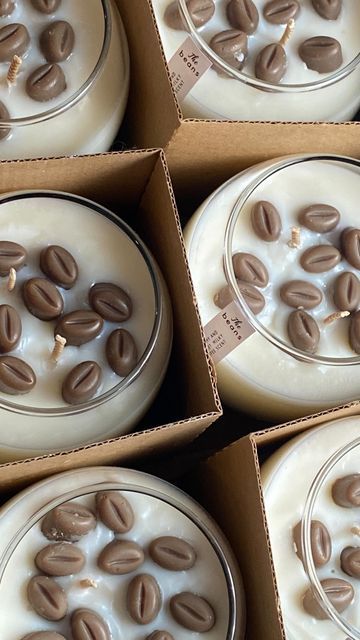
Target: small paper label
<point>186,67</point>
<point>226,331</point>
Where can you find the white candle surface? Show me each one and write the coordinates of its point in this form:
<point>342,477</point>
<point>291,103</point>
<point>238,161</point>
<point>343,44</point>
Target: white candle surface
<point>286,479</point>
<point>104,253</point>
<point>256,376</point>
<point>220,97</point>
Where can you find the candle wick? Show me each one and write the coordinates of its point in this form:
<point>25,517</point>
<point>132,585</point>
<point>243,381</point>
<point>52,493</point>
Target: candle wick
<point>287,33</point>
<point>86,583</point>
<point>12,280</point>
<point>13,70</point>
<point>336,316</point>
<point>295,241</point>
<point>59,346</point>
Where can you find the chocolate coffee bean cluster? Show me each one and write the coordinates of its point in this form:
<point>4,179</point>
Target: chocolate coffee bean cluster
<point>142,595</point>
<point>320,53</point>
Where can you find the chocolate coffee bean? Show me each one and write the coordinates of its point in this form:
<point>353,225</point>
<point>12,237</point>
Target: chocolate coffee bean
<point>320,542</point>
<point>121,557</point>
<point>303,331</point>
<point>350,246</point>
<point>14,40</point>
<point>47,598</point>
<point>281,11</point>
<point>252,297</point>
<point>46,6</point>
<point>143,599</point>
<point>4,115</point>
<point>88,625</point>
<point>114,511</point>
<point>121,352</point>
<point>299,293</point>
<point>346,491</point>
<point>249,268</point>
<point>223,297</point>
<point>339,592</point>
<point>328,9</point>
<point>12,255</point>
<point>79,327</point>
<point>160,635</point>
<point>46,82</point>
<point>347,291</point>
<point>173,554</point>
<point>201,11</point>
<point>319,217</point>
<point>192,612</point>
<point>320,258</point>
<point>59,265</point>
<point>57,41</point>
<point>266,221</point>
<point>271,63</point>
<point>42,299</point>
<point>82,382</point>
<point>6,7</point>
<point>44,635</point>
<point>68,522</point>
<point>60,559</point>
<point>354,332</point>
<point>231,46</point>
<point>321,53</point>
<point>350,561</point>
<point>16,377</point>
<point>110,301</point>
<point>243,15</point>
<point>10,328</point>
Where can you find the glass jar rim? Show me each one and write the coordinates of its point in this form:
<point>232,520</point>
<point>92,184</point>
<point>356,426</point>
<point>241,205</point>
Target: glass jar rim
<point>276,167</point>
<point>256,82</point>
<point>81,92</point>
<point>158,307</point>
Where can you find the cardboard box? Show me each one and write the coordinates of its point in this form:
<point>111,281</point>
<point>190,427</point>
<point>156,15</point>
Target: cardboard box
<point>154,118</point>
<point>136,186</point>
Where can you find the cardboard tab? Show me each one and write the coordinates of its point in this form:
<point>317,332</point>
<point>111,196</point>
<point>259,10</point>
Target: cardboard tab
<point>226,331</point>
<point>186,67</point>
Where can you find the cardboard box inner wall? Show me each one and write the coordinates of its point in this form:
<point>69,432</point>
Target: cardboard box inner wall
<point>136,187</point>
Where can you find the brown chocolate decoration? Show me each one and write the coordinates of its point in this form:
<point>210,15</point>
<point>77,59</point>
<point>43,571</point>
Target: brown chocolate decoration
<point>60,559</point>
<point>201,11</point>
<point>6,7</point>
<point>114,511</point>
<point>350,246</point>
<point>82,382</point>
<point>10,328</point>
<point>321,53</point>
<point>16,377</point>
<point>68,522</point>
<point>88,625</point>
<point>252,297</point>
<point>192,612</point>
<point>44,635</point>
<point>57,41</point>
<point>160,635</point>
<point>12,255</point>
<point>47,598</point>
<point>173,554</point>
<point>42,299</point>
<point>121,352</point>
<point>328,9</point>
<point>110,301</point>
<point>299,293</point>
<point>46,6</point>
<point>319,217</point>
<point>243,15</point>
<point>59,265</point>
<point>320,542</point>
<point>271,63</point>
<point>223,297</point>
<point>46,82</point>
<point>231,46</point>
<point>79,327</point>
<point>120,557</point>
<point>350,561</point>
<point>320,258</point>
<point>143,599</point>
<point>281,11</point>
<point>266,221</point>
<point>14,40</point>
<point>339,592</point>
<point>249,268</point>
<point>4,115</point>
<point>354,332</point>
<point>347,291</point>
<point>346,491</point>
<point>303,331</point>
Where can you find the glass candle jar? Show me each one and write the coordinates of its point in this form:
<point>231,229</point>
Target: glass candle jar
<point>277,373</point>
<point>310,488</point>
<point>122,324</point>
<point>146,510</point>
<point>233,90</point>
<point>70,101</point>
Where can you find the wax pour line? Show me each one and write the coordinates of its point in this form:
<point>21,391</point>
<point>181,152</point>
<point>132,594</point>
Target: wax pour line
<point>59,346</point>
<point>13,70</point>
<point>295,241</point>
<point>336,316</point>
<point>12,280</point>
